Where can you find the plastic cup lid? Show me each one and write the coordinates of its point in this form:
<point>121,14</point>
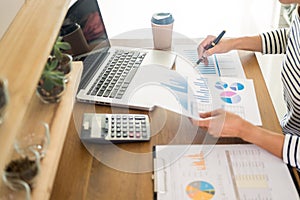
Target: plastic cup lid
<point>162,18</point>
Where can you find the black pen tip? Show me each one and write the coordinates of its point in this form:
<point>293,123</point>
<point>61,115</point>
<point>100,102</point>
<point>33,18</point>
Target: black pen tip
<point>199,61</point>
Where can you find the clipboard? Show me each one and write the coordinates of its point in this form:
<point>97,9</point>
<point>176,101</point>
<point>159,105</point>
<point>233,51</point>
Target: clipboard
<point>159,186</point>
<point>197,172</point>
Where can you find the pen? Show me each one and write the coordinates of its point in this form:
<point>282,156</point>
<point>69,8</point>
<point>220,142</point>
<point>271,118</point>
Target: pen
<point>214,43</point>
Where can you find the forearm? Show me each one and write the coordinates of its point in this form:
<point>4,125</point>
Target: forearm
<point>251,43</point>
<point>268,140</point>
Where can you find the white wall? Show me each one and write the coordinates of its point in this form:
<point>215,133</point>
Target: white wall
<point>193,18</point>
<point>8,10</point>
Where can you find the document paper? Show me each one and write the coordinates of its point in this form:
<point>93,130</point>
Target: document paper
<point>231,94</point>
<point>221,172</point>
<point>189,95</point>
<point>225,65</point>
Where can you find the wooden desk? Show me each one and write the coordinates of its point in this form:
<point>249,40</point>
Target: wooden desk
<point>81,176</point>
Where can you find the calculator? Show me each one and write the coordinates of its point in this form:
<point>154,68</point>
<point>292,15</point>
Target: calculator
<point>115,128</point>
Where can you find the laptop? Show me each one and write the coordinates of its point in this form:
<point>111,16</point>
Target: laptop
<point>109,72</point>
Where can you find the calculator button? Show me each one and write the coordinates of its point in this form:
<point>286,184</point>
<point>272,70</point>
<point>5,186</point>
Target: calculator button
<point>125,134</point>
<point>144,135</point>
<point>137,135</point>
<point>112,133</point>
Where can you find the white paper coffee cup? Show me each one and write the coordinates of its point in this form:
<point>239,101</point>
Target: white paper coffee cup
<point>162,29</point>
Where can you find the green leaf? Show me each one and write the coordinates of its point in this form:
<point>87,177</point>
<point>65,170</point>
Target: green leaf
<point>52,65</point>
<point>48,85</point>
<point>51,76</point>
<point>58,46</point>
<point>63,45</point>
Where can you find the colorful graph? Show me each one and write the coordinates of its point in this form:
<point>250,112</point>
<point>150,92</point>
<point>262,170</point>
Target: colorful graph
<point>200,190</point>
<point>202,91</point>
<point>206,69</point>
<point>198,160</point>
<point>237,86</point>
<point>221,85</point>
<point>230,97</point>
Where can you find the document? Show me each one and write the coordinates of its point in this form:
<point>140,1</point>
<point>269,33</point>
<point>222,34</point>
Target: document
<point>225,65</point>
<point>221,172</point>
<point>189,95</point>
<point>231,94</point>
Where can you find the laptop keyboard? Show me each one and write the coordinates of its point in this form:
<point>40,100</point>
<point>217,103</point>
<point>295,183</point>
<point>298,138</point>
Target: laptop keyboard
<point>117,74</point>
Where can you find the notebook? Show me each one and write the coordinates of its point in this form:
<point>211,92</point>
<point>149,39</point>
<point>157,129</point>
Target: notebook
<point>109,72</point>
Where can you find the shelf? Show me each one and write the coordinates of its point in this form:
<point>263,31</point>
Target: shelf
<point>58,117</point>
<point>24,49</point>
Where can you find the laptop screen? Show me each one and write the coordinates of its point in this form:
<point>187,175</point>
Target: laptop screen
<point>83,28</point>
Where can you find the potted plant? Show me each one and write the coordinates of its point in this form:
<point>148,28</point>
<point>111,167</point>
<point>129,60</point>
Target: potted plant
<point>21,172</point>
<point>64,60</point>
<point>51,84</point>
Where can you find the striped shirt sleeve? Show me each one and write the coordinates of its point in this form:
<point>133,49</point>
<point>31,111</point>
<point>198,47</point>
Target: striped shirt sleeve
<point>291,150</point>
<point>274,42</point>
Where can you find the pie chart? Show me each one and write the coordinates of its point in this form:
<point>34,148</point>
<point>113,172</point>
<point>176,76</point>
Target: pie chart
<point>221,85</point>
<point>230,97</point>
<point>237,86</point>
<point>200,190</point>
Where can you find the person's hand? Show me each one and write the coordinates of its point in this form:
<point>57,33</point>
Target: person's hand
<point>220,123</point>
<point>225,45</point>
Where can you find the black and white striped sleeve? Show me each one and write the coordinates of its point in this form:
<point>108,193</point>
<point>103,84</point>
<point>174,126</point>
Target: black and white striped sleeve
<point>274,42</point>
<point>291,150</point>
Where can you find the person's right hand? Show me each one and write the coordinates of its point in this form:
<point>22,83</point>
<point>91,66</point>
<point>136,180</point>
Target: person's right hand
<point>225,45</point>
